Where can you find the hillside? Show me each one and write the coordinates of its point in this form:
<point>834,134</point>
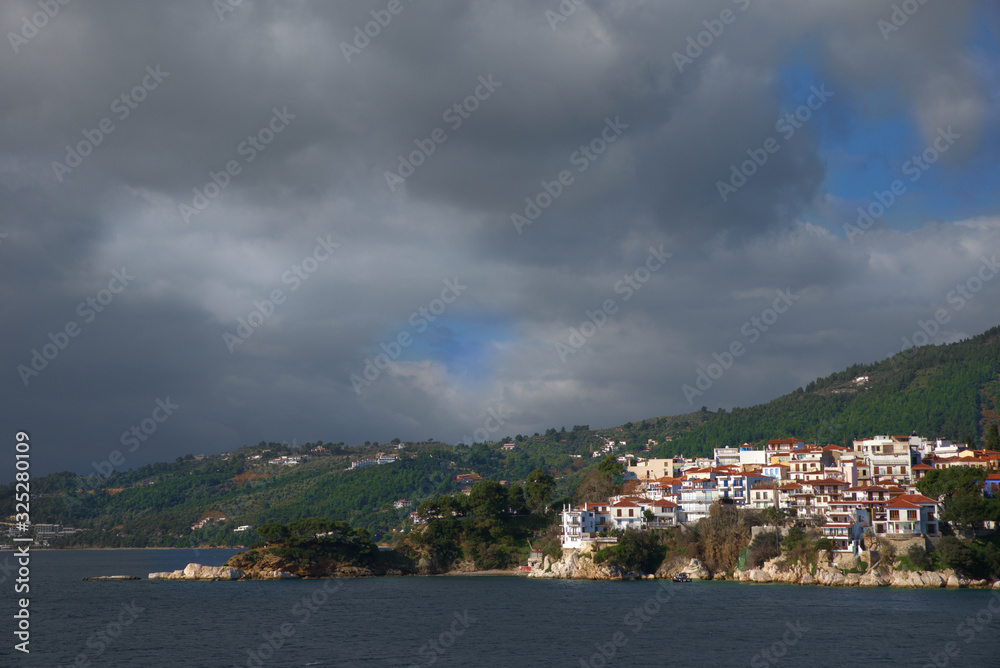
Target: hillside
<point>158,504</point>
<point>948,391</point>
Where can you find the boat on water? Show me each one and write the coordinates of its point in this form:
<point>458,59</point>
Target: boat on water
<point>682,577</point>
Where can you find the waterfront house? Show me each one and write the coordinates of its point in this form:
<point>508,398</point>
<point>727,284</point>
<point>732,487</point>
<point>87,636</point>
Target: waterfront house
<point>627,514</point>
<point>912,514</point>
<point>583,524</point>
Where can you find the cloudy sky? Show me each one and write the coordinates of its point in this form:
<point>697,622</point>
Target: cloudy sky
<point>287,221</point>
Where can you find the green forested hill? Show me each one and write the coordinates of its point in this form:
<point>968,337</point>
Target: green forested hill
<point>157,505</point>
<point>948,391</point>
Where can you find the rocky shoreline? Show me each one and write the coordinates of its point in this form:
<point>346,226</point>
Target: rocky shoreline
<point>578,565</point>
<point>574,565</point>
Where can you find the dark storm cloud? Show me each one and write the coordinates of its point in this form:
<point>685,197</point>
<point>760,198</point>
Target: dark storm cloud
<point>192,92</point>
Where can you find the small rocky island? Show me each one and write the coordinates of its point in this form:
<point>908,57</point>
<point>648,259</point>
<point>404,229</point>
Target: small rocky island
<point>309,548</point>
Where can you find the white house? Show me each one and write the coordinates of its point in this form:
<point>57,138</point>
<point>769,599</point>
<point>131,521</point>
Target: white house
<point>583,524</point>
<point>664,512</point>
<point>752,457</point>
<point>627,514</point>
<point>912,514</point>
<point>763,496</point>
<point>727,456</point>
<point>697,495</point>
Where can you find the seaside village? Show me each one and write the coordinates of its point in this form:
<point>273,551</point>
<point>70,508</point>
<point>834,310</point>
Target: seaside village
<point>843,491</point>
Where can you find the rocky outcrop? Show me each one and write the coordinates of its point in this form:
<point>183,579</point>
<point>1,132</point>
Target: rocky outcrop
<point>779,571</point>
<point>671,566</point>
<point>200,572</point>
<point>579,565</point>
<point>696,570</point>
<point>106,578</point>
<point>574,565</point>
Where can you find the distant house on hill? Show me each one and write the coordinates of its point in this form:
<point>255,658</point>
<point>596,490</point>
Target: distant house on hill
<point>468,478</point>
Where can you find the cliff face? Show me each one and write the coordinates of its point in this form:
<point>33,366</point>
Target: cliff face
<point>777,570</point>
<point>578,565</point>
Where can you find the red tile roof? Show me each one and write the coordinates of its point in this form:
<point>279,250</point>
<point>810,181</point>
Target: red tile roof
<point>910,501</point>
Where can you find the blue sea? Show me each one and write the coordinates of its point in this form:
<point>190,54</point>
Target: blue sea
<point>475,621</point>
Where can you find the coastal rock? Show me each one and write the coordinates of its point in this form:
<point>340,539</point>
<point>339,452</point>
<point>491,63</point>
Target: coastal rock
<point>576,566</point>
<point>696,570</point>
<point>923,579</point>
<point>105,578</point>
<point>671,566</point>
<point>278,575</point>
<point>873,579</point>
<point>778,571</point>
<point>200,572</point>
<point>831,578</point>
<point>996,585</point>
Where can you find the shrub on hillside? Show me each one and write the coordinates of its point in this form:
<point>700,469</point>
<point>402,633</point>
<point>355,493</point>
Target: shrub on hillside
<point>765,546</point>
<point>724,534</point>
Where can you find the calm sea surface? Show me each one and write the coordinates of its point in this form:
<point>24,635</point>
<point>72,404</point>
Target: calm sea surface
<point>476,621</point>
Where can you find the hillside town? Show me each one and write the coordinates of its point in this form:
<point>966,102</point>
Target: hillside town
<point>844,492</point>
